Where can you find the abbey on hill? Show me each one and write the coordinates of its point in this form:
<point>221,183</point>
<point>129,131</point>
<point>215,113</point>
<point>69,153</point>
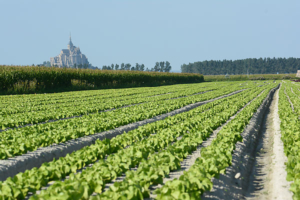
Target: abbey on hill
<point>69,57</point>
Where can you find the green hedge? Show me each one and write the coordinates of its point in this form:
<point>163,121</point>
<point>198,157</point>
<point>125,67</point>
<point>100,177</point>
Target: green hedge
<point>16,79</point>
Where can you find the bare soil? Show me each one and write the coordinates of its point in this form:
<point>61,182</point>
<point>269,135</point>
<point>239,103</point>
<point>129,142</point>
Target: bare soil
<point>268,178</point>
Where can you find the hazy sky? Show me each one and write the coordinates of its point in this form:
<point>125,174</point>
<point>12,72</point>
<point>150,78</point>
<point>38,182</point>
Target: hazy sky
<point>147,31</point>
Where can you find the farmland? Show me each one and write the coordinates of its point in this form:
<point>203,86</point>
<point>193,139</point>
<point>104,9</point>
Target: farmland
<point>211,140</point>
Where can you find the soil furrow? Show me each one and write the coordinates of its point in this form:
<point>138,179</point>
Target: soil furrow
<point>234,184</point>
<point>268,177</point>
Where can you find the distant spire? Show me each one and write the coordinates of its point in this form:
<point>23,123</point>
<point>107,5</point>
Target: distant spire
<point>70,45</point>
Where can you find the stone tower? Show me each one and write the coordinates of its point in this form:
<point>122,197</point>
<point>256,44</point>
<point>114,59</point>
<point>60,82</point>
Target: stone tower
<point>70,44</point>
<point>69,57</point>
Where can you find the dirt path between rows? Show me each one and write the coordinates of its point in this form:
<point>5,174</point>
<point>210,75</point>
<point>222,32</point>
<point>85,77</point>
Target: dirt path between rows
<point>268,177</point>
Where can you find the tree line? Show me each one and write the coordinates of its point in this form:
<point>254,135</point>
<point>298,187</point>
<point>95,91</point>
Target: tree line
<point>159,67</point>
<point>244,66</point>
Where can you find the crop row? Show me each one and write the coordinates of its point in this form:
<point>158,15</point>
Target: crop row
<point>19,141</point>
<point>143,154</point>
<point>52,98</point>
<point>55,112</point>
<point>56,169</point>
<point>290,132</point>
<point>20,106</point>
<point>65,97</point>
<point>16,105</point>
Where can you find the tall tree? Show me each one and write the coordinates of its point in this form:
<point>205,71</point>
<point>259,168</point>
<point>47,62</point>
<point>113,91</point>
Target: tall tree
<point>127,66</point>
<point>117,67</point>
<point>168,67</point>
<point>122,66</point>
<point>156,67</point>
<point>137,67</point>
<point>142,68</point>
<point>162,66</point>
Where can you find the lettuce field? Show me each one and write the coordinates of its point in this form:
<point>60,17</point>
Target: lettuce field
<point>212,140</point>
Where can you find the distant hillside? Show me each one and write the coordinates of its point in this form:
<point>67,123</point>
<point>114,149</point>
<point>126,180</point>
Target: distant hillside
<point>249,65</point>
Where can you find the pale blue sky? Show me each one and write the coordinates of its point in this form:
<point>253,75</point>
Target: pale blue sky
<point>146,31</point>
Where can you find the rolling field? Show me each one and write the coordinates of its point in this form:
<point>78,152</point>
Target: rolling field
<point>213,140</point>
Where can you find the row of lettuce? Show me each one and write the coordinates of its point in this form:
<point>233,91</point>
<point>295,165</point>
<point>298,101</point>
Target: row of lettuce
<point>143,144</point>
<point>289,112</point>
<point>21,140</point>
<point>65,97</point>
<point>22,115</point>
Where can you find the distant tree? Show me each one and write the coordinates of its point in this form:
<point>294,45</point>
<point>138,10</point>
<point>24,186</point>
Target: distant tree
<point>156,67</point>
<point>122,66</point>
<point>75,66</point>
<point>244,66</point>
<point>85,66</point>
<point>117,67</point>
<point>162,66</point>
<point>80,66</point>
<point>137,67</point>
<point>46,64</point>
<point>132,69</point>
<point>147,70</point>
<point>168,67</point>
<point>112,66</point>
<point>104,67</point>
<point>127,66</point>
<point>142,67</point>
